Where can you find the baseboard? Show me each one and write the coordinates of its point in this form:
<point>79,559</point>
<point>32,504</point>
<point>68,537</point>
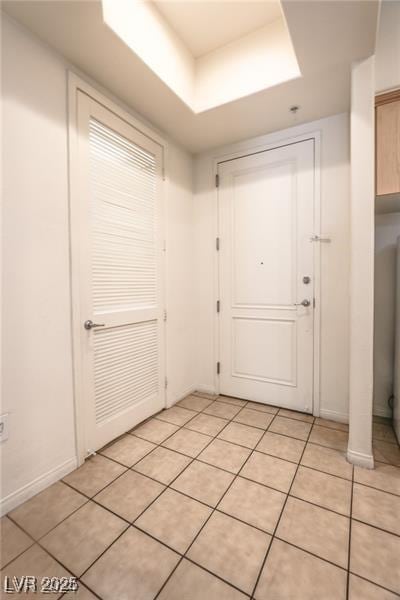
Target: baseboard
<point>380,411</point>
<point>206,389</point>
<point>172,401</point>
<point>37,485</point>
<point>360,459</point>
<point>333,415</point>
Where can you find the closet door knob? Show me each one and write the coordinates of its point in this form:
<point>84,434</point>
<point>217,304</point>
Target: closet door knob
<point>90,325</point>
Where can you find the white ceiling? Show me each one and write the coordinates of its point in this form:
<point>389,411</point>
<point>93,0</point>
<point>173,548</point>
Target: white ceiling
<point>327,36</point>
<point>204,26</point>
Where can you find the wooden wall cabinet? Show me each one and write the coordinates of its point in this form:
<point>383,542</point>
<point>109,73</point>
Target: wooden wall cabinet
<point>387,121</point>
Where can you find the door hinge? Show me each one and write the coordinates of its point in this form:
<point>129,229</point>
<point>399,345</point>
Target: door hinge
<point>165,383</point>
<point>165,315</point>
<point>313,302</point>
<point>216,180</point>
<point>218,368</point>
<point>217,242</point>
<point>218,306</point>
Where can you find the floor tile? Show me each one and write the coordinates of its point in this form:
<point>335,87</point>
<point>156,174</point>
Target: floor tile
<point>83,536</point>
<point>13,541</point>
<point>206,424</point>
<point>255,418</point>
<point>82,594</point>
<point>128,450</point>
<point>162,464</point>
<point>222,409</point>
<point>281,446</point>
<point>96,472</point>
<point>381,431</point>
<point>155,431</point>
<point>176,415</point>
<point>230,400</point>
<point>268,470</point>
<point>383,477</point>
<point>231,549</point>
<point>272,410</point>
<point>135,567</point>
<point>290,427</point>
<point>375,555</point>
<point>376,508</point>
<point>359,589</point>
<point>225,455</point>
<point>174,519</point>
<point>291,574</point>
<point>330,438</point>
<point>293,414</point>
<point>327,460</point>
<point>325,490</point>
<point>203,482</point>
<point>37,563</point>
<point>241,434</point>
<point>47,509</point>
<point>190,582</point>
<point>332,424</point>
<point>196,403</point>
<point>253,503</point>
<point>316,530</point>
<point>386,452</point>
<point>129,495</point>
<point>188,442</point>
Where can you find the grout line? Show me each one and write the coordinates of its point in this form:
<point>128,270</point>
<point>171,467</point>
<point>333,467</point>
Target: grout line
<point>378,585</point>
<point>209,517</point>
<point>132,523</point>
<point>25,549</point>
<point>349,542</point>
<point>377,489</point>
<point>214,509</point>
<point>279,519</point>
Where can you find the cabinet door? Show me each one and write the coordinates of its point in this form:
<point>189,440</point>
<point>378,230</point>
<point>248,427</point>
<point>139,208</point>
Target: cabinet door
<point>388,148</point>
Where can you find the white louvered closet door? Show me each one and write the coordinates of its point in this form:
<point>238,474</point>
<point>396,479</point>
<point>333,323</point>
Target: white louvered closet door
<point>120,273</point>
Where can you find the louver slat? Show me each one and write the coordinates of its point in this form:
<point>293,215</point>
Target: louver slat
<point>129,373</point>
<point>123,216</point>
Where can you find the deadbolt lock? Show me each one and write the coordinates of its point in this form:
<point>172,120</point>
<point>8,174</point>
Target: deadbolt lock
<point>306,279</point>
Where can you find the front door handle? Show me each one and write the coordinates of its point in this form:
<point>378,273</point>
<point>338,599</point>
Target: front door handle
<point>303,303</point>
<point>90,325</point>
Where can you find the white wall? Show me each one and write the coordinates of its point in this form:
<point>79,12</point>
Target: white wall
<point>37,368</point>
<point>387,230</point>
<point>335,208</point>
<point>180,276</point>
<point>362,262</point>
<point>387,55</point>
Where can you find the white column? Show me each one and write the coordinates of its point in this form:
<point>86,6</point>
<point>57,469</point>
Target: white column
<point>362,263</point>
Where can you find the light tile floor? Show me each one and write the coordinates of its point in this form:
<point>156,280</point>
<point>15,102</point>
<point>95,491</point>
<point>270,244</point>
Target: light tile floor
<point>219,499</point>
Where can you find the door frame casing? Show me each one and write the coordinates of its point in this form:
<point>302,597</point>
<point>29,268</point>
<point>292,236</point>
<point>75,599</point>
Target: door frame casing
<point>76,84</point>
<point>249,149</point>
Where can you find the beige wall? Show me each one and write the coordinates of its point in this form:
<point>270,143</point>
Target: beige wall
<point>387,230</point>
<point>335,210</point>
<point>37,386</point>
<point>362,223</point>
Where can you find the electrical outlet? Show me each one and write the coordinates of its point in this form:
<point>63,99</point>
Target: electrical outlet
<point>4,427</point>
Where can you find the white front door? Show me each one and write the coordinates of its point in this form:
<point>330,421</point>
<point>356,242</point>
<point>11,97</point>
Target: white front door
<point>266,215</point>
<point>119,219</point>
